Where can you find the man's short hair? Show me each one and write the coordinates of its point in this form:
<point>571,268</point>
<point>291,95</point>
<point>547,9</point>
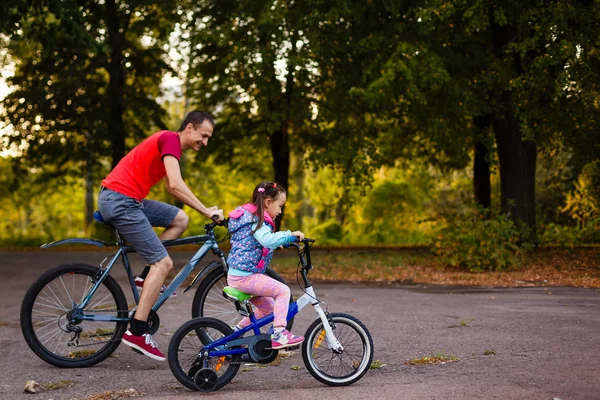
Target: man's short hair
<point>196,118</point>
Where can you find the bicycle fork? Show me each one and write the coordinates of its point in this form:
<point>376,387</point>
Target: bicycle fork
<point>330,338</point>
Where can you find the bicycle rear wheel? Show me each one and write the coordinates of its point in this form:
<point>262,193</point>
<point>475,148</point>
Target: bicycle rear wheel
<point>53,333</point>
<point>209,301</point>
<point>338,368</point>
<point>185,352</point>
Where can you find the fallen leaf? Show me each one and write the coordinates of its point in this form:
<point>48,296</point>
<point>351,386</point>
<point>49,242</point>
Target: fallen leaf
<point>32,386</point>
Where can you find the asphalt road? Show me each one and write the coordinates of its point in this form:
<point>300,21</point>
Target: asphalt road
<point>525,343</point>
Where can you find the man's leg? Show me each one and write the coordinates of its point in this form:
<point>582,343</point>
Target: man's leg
<point>152,285</point>
<point>128,216</point>
<point>177,227</point>
<point>161,214</point>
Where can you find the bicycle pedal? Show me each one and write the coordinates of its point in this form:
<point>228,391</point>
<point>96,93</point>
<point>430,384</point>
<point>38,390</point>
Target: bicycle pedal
<point>137,351</point>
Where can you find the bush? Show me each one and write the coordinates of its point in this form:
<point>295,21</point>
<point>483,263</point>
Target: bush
<point>329,232</point>
<point>565,235</point>
<point>480,242</point>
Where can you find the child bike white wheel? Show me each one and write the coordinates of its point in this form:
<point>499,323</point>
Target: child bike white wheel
<point>338,368</point>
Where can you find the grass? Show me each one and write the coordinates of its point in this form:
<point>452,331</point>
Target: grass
<point>437,358</point>
<point>377,365</point>
<point>489,353</point>
<point>114,394</point>
<point>97,334</point>
<point>464,323</point>
<point>58,385</point>
<point>579,267</point>
<point>81,353</point>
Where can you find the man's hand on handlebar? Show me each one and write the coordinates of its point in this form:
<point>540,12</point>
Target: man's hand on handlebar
<point>216,214</point>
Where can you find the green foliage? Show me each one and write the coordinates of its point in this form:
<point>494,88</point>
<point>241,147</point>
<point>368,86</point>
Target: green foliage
<point>381,96</point>
<point>38,213</point>
<point>478,242</point>
<point>554,177</point>
<point>583,203</point>
<point>86,78</point>
<point>329,232</point>
<point>568,235</point>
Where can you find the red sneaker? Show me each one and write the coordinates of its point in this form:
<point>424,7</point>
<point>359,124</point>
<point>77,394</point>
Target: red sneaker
<point>139,284</point>
<point>144,344</point>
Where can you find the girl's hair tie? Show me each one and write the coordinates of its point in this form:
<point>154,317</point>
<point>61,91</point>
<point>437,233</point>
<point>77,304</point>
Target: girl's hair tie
<point>261,190</point>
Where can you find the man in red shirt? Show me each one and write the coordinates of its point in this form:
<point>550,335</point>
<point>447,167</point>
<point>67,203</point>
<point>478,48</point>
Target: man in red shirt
<point>122,203</point>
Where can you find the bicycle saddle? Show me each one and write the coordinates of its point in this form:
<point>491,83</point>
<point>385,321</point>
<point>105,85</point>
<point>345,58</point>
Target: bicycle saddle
<point>98,217</point>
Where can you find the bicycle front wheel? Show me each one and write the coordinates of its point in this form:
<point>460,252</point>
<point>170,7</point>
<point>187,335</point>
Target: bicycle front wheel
<point>332,367</point>
<point>50,328</point>
<point>209,300</point>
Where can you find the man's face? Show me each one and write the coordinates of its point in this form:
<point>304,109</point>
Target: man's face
<point>198,136</point>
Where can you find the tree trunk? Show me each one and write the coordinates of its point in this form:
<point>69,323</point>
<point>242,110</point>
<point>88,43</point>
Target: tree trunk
<point>116,83</point>
<point>186,106</point>
<point>481,165</point>
<point>517,157</point>
<point>280,147</point>
<point>89,194</point>
<point>280,150</point>
<point>517,167</point>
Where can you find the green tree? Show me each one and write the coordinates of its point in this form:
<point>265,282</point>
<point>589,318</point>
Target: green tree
<point>397,76</point>
<point>251,67</point>
<point>87,78</point>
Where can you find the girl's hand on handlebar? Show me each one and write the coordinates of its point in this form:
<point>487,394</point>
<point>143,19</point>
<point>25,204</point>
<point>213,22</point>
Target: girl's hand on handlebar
<point>299,234</point>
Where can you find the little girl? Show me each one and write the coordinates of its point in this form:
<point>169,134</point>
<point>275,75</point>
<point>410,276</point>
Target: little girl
<point>253,240</point>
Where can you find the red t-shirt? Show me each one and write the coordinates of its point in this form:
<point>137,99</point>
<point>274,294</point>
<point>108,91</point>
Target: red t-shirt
<point>143,166</point>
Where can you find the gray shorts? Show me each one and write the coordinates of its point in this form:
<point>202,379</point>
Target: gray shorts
<point>134,220</point>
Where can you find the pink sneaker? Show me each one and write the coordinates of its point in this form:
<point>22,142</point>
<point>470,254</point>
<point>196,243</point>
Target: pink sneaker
<point>143,343</point>
<point>139,284</point>
<point>285,339</point>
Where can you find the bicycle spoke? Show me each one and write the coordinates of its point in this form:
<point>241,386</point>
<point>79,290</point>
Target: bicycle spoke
<point>58,301</point>
<point>340,365</point>
<point>50,301</point>
<point>53,333</point>
<point>99,302</point>
<point>85,290</point>
<point>49,313</point>
<point>67,292</point>
<point>51,322</point>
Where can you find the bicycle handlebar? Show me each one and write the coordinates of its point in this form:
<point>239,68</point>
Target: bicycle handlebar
<point>209,227</point>
<point>295,239</point>
<point>302,251</point>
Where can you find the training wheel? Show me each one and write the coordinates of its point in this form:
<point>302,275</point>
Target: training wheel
<point>206,380</point>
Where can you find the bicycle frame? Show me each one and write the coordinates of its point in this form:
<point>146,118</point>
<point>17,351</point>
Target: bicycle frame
<point>209,244</point>
<point>209,241</point>
<point>309,297</point>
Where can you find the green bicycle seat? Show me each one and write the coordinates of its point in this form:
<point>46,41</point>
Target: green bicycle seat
<point>233,293</point>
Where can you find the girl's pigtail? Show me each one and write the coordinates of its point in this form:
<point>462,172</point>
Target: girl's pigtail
<point>260,206</point>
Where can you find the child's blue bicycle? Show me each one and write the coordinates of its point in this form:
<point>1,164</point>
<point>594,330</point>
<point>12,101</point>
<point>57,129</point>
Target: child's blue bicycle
<point>205,353</point>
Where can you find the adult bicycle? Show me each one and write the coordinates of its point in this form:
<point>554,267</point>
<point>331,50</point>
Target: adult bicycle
<point>74,315</point>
